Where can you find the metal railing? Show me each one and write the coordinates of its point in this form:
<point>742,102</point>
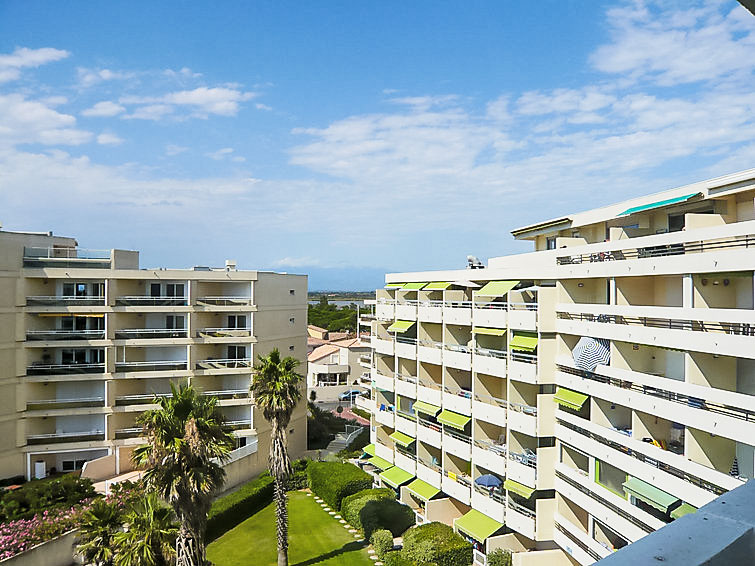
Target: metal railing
<point>491,493</point>
<point>41,404</point>
<point>461,348</point>
<point>223,332</point>
<point>457,304</point>
<point>688,400</point>
<point>65,257</point>
<point>225,301</point>
<point>522,408</point>
<point>59,437</point>
<point>64,369</point>
<point>429,383</point>
<point>514,506</point>
<point>66,300</point>
<point>735,328</point>
<point>458,391</point>
<point>463,479</point>
<point>65,334</point>
<point>406,340</point>
<point>490,353</point>
<point>406,415</point>
<point>528,457</point>
<point>490,305</point>
<point>523,306</point>
<point>457,435</point>
<point>145,300</point>
<point>151,366</point>
<point>228,393</point>
<point>431,303</point>
<point>225,363</point>
<point>135,333</point>
<point>429,464</point>
<point>430,344</point>
<point>429,424</point>
<point>523,357</point>
<point>576,541</point>
<point>490,400</point>
<point>239,424</point>
<point>132,432</point>
<point>407,378</point>
<point>139,399</point>
<point>407,454</point>
<point>490,446</point>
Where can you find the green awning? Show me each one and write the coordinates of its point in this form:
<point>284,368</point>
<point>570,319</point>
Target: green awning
<point>396,477</point>
<point>569,398</point>
<point>489,331</point>
<point>394,285</point>
<point>660,203</point>
<point>401,326</point>
<point>477,525</point>
<point>649,494</point>
<point>496,288</point>
<point>437,286</point>
<point>413,286</point>
<point>400,438</point>
<point>682,510</point>
<point>453,419</point>
<point>422,489</point>
<point>523,341</point>
<point>369,449</point>
<point>426,408</point>
<point>378,462</point>
<point>518,488</point>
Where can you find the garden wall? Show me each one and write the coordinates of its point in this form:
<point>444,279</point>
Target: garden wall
<point>57,552</point>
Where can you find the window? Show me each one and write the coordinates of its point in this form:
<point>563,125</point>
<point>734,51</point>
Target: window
<point>236,352</point>
<point>68,289</point>
<point>98,289</point>
<point>292,291</point>
<point>175,289</point>
<point>550,243</point>
<point>154,290</point>
<point>174,322</point>
<point>610,477</point>
<point>68,465</point>
<point>292,320</point>
<point>66,323</point>
<point>237,321</point>
<point>81,289</point>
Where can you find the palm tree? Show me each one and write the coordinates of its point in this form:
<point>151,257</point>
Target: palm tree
<point>187,444</point>
<point>149,535</point>
<point>276,391</point>
<point>98,528</point>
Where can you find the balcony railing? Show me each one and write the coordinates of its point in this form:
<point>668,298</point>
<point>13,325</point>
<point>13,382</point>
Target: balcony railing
<point>514,506</point>
<point>491,446</point>
<point>522,408</point>
<point>689,401</point>
<point>64,369</point>
<point>490,353</point>
<point>239,424</point>
<point>407,378</point>
<point>457,304</point>
<point>457,435</point>
<point>492,493</point>
<point>61,437</point>
<point>406,340</point>
<point>576,541</point>
<point>528,457</point>
<point>228,393</point>
<point>523,357</point>
<point>429,383</point>
<point>430,464</point>
<point>224,301</point>
<point>490,305</point>
<point>133,432</point>
<point>49,335</point>
<point>224,332</point>
<point>523,306</point>
<point>466,393</point>
<point>65,301</point>
<point>144,300</point>
<point>150,366</point>
<point>141,333</point>
<point>462,349</point>
<point>461,478</point>
<point>65,257</point>
<point>225,363</point>
<point>429,424</point>
<point>49,404</point>
<point>430,344</point>
<point>139,399</point>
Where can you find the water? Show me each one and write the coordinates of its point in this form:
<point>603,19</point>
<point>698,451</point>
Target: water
<point>339,304</point>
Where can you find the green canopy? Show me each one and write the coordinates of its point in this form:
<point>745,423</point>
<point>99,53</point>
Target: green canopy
<point>682,510</point>
<point>496,288</point>
<point>394,285</point>
<point>453,419</point>
<point>658,204</point>
<point>426,408</point>
<point>378,462</point>
<point>413,286</point>
<point>369,449</point>
<point>518,488</point>
<point>477,525</point>
<point>523,341</point>
<point>396,477</point>
<point>569,398</point>
<point>401,326</point>
<point>489,331</point>
<point>649,494</point>
<point>422,489</point>
<point>438,286</point>
<point>400,438</point>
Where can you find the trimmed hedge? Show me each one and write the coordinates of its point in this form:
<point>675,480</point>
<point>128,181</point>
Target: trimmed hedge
<point>499,557</point>
<point>394,558</point>
<point>351,506</point>
<point>382,542</point>
<point>44,495</point>
<point>386,514</point>
<point>298,479</point>
<point>333,481</point>
<point>229,511</point>
<point>438,543</point>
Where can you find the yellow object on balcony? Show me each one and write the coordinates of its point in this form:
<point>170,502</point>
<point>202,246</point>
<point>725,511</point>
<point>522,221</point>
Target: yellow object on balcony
<point>489,331</point>
<point>570,399</point>
<point>524,342</point>
<point>496,288</point>
<point>401,326</point>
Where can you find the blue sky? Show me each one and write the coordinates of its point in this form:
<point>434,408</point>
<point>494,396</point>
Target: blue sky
<point>346,139</point>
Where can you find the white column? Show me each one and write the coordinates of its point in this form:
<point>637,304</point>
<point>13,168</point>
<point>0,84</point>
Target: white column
<point>688,291</point>
<point>612,291</point>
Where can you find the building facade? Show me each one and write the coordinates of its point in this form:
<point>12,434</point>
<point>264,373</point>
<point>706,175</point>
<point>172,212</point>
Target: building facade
<point>88,339</point>
<point>572,400</point>
<point>338,363</point>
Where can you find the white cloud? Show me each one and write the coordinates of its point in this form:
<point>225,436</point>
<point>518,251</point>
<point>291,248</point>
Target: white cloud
<point>90,77</point>
<point>183,73</point>
<point>225,153</point>
<point>30,121</point>
<point>304,261</point>
<point>105,108</point>
<point>260,106</point>
<point>172,149</point>
<point>23,57</point>
<point>150,112</point>
<point>201,102</point>
<point>106,138</point>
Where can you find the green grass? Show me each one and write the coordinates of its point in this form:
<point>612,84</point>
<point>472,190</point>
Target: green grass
<point>315,538</point>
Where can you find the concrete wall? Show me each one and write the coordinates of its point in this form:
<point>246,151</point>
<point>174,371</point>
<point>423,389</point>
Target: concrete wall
<point>57,552</point>
<point>100,469</point>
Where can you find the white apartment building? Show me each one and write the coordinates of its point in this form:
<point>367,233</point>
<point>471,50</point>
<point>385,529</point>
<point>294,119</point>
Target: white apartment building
<point>88,339</point>
<point>569,401</point>
<point>338,363</point>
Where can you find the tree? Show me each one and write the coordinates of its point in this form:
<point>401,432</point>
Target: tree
<point>98,528</point>
<point>149,535</point>
<point>188,441</point>
<point>276,391</point>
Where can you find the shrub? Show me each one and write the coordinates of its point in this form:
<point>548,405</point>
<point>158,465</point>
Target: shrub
<point>351,506</point>
<point>394,558</point>
<point>361,413</point>
<point>298,480</point>
<point>333,481</point>
<point>436,542</point>
<point>354,449</point>
<point>499,557</point>
<point>229,511</point>
<point>386,514</point>
<point>382,542</point>
<point>44,495</point>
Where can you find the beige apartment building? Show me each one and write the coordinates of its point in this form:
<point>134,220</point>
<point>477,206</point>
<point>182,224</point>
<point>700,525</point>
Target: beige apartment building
<point>88,339</point>
<point>567,402</point>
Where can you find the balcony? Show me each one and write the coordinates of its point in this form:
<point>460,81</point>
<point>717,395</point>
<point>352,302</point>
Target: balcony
<point>523,418</point>
<point>383,345</point>
<point>384,415</point>
<point>457,400</point>
<point>365,403</point>
<point>168,365</point>
<point>53,404</point>
<point>430,311</point>
<point>226,394</point>
<point>224,332</point>
<point>490,455</point>
<point>429,391</point>
<point>147,301</point>
<point>430,351</point>
<point>520,518</point>
<point>406,422</point>
<point>385,309</point>
<point>429,471</point>
<point>492,362</point>
<point>490,409</point>
<point>458,486</point>
<point>59,335</point>
<point>522,316</point>
<point>241,424</point>
<point>224,363</point>
<point>457,356</point>
<point>224,301</point>
<point>458,444</point>
<point>522,467</point>
<point>406,385</point>
<point>66,257</point>
<point>406,347</point>
<point>491,502</point>
<point>457,312</point>
<point>149,333</point>
<point>493,314</point>
<point>139,399</point>
<point>429,432</point>
<point>523,367</point>
<point>65,301</point>
<point>575,542</point>
<point>381,381</point>
<point>64,437</point>
<point>64,369</point>
<point>124,433</point>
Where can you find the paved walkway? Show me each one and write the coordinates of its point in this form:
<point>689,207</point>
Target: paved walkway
<point>350,415</point>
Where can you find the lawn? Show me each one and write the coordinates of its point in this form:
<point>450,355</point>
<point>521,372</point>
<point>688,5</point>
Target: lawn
<point>314,538</point>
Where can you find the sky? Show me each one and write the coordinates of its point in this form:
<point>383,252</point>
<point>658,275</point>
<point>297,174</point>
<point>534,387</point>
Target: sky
<point>350,139</point>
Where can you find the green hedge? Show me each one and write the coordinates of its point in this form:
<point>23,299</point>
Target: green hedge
<point>499,557</point>
<point>382,542</point>
<point>333,481</point>
<point>44,495</point>
<point>394,558</point>
<point>232,509</point>
<point>437,543</point>
<point>373,509</point>
<point>351,506</point>
<point>298,479</point>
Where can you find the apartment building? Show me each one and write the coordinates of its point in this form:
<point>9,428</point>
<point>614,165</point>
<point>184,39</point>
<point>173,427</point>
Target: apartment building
<point>338,363</point>
<point>569,401</point>
<point>88,339</point>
